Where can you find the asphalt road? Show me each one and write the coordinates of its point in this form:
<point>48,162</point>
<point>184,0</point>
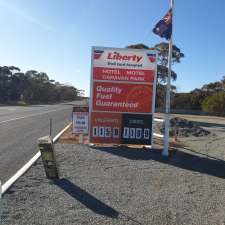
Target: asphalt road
<point>20,127</point>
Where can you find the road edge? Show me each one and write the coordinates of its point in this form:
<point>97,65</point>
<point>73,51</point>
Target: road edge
<point>22,170</point>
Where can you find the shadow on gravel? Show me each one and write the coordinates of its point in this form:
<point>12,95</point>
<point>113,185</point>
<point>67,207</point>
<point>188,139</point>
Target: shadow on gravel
<point>193,162</point>
<point>86,199</point>
<point>206,124</point>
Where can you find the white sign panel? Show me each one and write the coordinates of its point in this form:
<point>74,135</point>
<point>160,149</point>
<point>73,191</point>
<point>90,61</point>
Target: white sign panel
<point>80,122</point>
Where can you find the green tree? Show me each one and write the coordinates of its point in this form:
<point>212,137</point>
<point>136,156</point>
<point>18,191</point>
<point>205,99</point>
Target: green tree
<point>162,71</point>
<point>197,96</point>
<point>32,87</point>
<point>182,101</point>
<point>7,83</point>
<point>215,104</point>
<point>213,87</point>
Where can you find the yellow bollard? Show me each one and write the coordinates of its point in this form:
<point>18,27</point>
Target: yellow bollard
<point>81,138</point>
<point>48,157</point>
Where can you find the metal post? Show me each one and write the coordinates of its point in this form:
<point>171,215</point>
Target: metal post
<point>0,202</point>
<point>167,112</point>
<point>50,127</point>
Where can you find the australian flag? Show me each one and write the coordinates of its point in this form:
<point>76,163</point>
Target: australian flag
<point>164,27</point>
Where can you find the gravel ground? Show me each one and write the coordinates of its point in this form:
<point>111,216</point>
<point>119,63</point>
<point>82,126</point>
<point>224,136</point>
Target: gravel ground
<point>120,186</point>
<point>212,144</point>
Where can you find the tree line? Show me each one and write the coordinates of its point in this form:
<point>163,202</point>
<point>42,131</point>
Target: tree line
<point>209,98</point>
<point>32,87</point>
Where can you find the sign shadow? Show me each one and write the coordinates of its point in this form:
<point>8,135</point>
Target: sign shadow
<point>86,199</point>
<point>189,160</point>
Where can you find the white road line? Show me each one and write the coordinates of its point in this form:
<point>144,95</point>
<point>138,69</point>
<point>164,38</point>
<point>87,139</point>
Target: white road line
<point>21,171</point>
<point>23,117</point>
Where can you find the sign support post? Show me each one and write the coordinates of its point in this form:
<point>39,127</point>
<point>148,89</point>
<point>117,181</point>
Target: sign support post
<point>167,112</point>
<point>81,139</point>
<point>0,201</point>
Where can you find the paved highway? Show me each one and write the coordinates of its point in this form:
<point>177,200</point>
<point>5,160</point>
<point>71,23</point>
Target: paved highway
<point>20,127</point>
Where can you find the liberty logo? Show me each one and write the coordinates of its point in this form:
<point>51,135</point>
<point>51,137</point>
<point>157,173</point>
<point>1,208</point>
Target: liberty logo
<point>151,57</point>
<point>97,54</point>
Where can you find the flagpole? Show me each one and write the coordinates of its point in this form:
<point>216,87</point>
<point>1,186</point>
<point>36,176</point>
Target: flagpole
<point>167,110</point>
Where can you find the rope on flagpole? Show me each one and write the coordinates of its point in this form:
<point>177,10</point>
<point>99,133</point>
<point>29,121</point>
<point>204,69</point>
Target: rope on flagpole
<point>167,110</point>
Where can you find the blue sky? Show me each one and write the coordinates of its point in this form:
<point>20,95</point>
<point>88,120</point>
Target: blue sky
<point>55,36</point>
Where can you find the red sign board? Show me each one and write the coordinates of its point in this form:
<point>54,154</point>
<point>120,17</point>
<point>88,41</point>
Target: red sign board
<point>105,127</point>
<point>122,95</point>
<point>132,75</point>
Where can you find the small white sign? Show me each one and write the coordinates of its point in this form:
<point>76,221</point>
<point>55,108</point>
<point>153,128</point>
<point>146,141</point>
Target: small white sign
<point>80,122</point>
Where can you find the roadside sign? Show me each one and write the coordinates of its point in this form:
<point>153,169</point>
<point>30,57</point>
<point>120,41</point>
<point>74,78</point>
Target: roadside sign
<point>122,95</point>
<point>80,120</point>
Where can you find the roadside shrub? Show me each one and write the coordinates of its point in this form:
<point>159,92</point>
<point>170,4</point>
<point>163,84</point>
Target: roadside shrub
<point>215,103</point>
<point>21,103</point>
